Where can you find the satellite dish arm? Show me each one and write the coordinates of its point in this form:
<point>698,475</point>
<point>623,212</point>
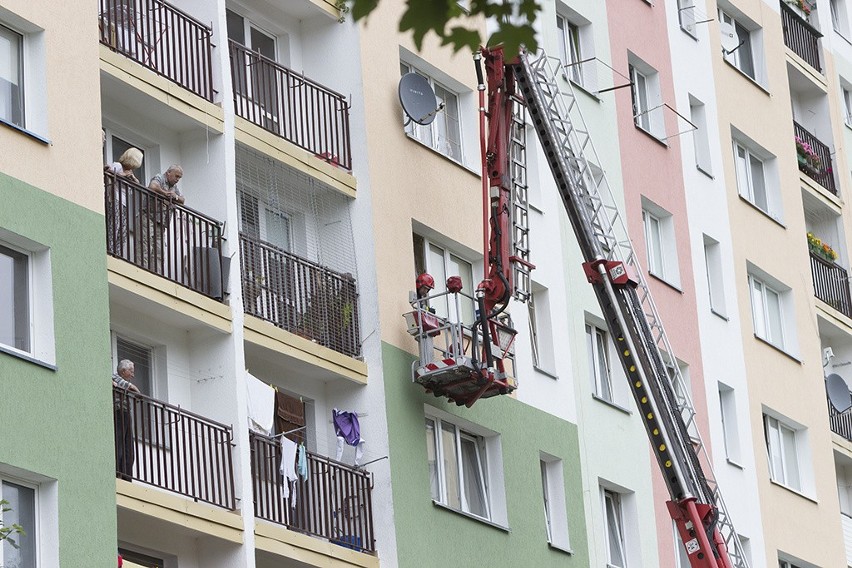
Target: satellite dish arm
<point>726,52</point>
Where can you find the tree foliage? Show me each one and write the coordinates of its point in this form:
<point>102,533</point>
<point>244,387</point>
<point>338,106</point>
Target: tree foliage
<point>445,18</point>
<point>8,533</point>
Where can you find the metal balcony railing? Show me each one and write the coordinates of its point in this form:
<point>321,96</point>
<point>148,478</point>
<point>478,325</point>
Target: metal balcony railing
<point>163,237</point>
<point>841,422</point>
<point>824,175</point>
<point>291,106</point>
<point>831,284</point>
<point>171,448</point>
<point>163,38</point>
<point>800,36</point>
<point>334,502</point>
<point>300,296</point>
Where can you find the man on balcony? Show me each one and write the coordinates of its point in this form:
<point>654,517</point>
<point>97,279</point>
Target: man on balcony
<point>157,215</point>
<point>125,453</point>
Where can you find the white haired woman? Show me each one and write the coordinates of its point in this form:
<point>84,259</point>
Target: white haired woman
<point>130,160</point>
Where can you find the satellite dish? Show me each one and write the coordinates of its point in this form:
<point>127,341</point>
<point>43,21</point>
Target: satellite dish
<point>417,98</point>
<point>838,392</point>
<point>730,39</point>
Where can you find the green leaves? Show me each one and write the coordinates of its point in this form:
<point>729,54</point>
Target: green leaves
<point>6,533</point>
<point>446,19</point>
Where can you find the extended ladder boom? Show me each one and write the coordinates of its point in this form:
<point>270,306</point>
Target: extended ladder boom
<point>611,266</point>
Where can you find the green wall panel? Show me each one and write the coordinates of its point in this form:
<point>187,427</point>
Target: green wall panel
<point>59,423</point>
<point>428,535</point>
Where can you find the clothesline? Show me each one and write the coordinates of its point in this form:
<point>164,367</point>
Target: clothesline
<point>289,431</point>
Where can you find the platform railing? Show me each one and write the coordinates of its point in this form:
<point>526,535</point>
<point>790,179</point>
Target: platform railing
<point>840,422</point>
<point>824,175</point>
<point>800,36</point>
<point>291,106</point>
<point>334,501</point>
<point>161,236</point>
<point>174,449</point>
<point>300,296</point>
<point>831,284</point>
<point>163,38</point>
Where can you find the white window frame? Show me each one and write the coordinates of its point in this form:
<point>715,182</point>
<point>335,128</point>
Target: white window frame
<point>31,532</point>
<point>41,348</point>
<point>686,16</point>
<point>746,159</point>
<point>782,439</point>
<point>846,98</point>
<point>453,150</point>
<point>553,493</point>
<point>660,243</point>
<point>46,520</point>
<point>570,49</point>
<point>597,346</point>
<point>748,56</point>
<point>839,17</point>
<point>616,524</point>
<point>33,75</point>
<point>444,306</point>
<point>700,136</point>
<point>16,82</point>
<point>730,422</point>
<point>488,477</point>
<point>646,97</point>
<point>541,329</point>
<point>763,299</point>
<point>715,280</point>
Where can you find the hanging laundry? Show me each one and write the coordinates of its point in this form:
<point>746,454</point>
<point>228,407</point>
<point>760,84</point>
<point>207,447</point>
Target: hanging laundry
<point>302,462</point>
<point>288,465</point>
<point>261,404</point>
<point>348,430</point>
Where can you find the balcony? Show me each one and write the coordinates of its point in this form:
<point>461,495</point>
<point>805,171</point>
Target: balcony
<point>175,449</point>
<point>162,38</point>
<point>300,296</point>
<point>820,168</point>
<point>163,237</point>
<point>800,36</point>
<point>831,284</point>
<point>291,106</point>
<point>335,503</point>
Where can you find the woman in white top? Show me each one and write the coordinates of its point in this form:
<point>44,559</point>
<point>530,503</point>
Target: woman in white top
<point>117,231</point>
<point>127,162</point>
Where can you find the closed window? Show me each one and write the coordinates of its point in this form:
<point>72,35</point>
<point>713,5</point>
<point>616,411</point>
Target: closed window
<point>839,17</point>
<point>458,468</point>
<point>660,243</point>
<point>11,76</point>
<point>22,551</point>
<point>728,415</point>
<point>715,284</point>
<point>614,529</point>
<point>444,133</point>
<point>598,359</point>
<point>751,178</point>
<point>782,443</point>
<point>441,262</point>
<point>741,56</point>
<point>767,313</point>
<point>553,493</point>
<point>15,299</point>
<point>570,52</point>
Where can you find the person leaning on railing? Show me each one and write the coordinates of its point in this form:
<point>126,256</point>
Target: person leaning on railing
<point>157,217</point>
<point>125,453</point>
<point>130,160</point>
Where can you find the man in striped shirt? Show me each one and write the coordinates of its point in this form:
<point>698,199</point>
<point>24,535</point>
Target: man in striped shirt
<point>124,443</point>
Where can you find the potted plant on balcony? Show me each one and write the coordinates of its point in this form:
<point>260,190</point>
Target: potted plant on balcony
<point>809,160</point>
<point>821,249</point>
<point>802,7</point>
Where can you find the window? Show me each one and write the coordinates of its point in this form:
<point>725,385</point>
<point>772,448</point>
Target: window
<point>730,431</point>
<point>767,312</point>
<point>660,244</point>
<point>599,373</point>
<point>23,507</point>
<point>614,529</point>
<point>647,100</point>
<point>553,493</point>
<point>444,133</point>
<point>839,17</point>
<point>441,263</point>
<point>541,336</point>
<point>751,178</point>
<point>14,299</point>
<point>115,146</point>
<point>11,76</point>
<point>569,49</point>
<point>713,266</point>
<point>26,299</point>
<point>782,443</point>
<point>744,55</point>
<point>700,137</point>
<point>847,104</point>
<point>458,468</point>
<point>686,15</point>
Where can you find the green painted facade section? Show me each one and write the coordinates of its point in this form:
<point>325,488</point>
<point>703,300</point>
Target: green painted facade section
<point>59,423</point>
<point>428,535</point>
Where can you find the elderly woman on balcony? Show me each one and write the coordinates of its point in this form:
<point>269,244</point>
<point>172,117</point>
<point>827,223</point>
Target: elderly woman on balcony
<point>130,160</point>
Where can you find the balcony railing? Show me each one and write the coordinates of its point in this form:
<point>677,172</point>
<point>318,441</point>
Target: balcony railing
<point>800,36</point>
<point>300,296</point>
<point>163,38</point>
<point>163,237</point>
<point>841,422</point>
<point>831,284</point>
<point>173,449</point>
<point>334,502</point>
<point>825,174</point>
<point>291,106</point>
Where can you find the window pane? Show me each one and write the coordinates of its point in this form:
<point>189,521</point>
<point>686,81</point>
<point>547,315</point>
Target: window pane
<point>474,478</point>
<point>545,495</point>
<point>590,350</point>
<point>11,77</point>
<point>236,27</point>
<point>758,183</point>
<point>602,366</point>
<point>791,458</point>
<point>435,264</point>
<point>141,358</point>
<point>533,330</point>
<point>655,245</point>
<point>744,53</point>
<point>447,121</point>
<point>776,462</point>
<point>462,268</point>
<point>613,529</point>
<point>773,309</point>
<point>14,300</point>
<point>561,25</point>
<point>432,458</point>
<point>277,229</point>
<point>451,465</point>
<point>740,158</point>
<point>22,504</point>
<point>757,307</point>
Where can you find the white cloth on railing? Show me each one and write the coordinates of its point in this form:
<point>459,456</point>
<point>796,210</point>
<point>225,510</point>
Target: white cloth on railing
<point>288,465</point>
<point>359,450</point>
<point>261,404</point>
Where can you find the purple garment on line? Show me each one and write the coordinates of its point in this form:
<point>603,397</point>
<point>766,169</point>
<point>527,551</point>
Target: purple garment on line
<point>346,426</point>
